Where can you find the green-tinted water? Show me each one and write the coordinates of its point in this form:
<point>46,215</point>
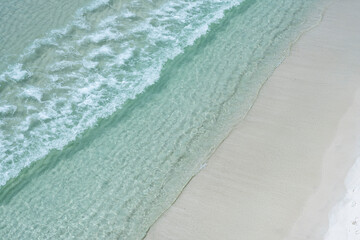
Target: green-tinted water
<point>23,21</point>
<point>120,173</point>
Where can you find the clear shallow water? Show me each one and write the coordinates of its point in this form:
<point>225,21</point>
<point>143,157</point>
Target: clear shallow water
<point>117,109</point>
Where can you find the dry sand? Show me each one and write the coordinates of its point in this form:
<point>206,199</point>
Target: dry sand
<point>282,169</point>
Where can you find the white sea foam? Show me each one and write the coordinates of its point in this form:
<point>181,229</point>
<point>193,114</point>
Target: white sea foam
<point>102,35</point>
<point>59,66</point>
<point>108,22</point>
<point>31,92</point>
<point>54,35</point>
<point>95,66</point>
<point>128,14</point>
<point>101,51</point>
<point>121,58</point>
<point>7,109</point>
<point>89,64</point>
<point>16,73</point>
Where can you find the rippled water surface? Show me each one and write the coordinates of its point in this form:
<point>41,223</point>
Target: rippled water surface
<point>108,108</point>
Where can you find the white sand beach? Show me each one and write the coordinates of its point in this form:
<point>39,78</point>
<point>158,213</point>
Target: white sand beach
<point>281,171</point>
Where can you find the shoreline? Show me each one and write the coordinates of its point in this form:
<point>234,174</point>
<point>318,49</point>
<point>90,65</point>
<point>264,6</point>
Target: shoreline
<point>273,171</point>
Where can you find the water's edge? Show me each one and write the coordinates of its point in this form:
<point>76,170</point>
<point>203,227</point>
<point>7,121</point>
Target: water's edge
<point>317,17</point>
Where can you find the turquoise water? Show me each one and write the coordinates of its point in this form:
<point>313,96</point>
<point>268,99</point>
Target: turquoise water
<point>108,108</point>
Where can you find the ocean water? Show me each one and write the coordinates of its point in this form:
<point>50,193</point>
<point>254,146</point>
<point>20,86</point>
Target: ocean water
<point>109,107</point>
